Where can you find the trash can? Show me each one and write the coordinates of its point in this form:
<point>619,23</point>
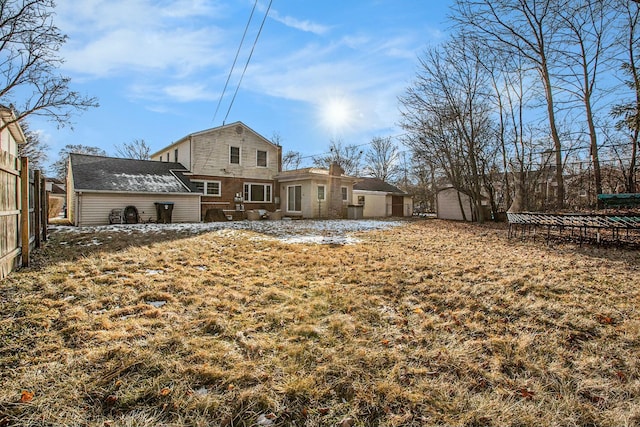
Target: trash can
<point>355,211</point>
<point>163,212</point>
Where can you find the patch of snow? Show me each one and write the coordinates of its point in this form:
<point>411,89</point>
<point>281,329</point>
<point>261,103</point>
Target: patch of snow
<point>299,231</point>
<point>153,272</point>
<point>156,304</point>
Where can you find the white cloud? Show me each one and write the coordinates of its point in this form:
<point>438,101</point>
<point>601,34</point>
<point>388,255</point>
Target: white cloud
<point>302,25</point>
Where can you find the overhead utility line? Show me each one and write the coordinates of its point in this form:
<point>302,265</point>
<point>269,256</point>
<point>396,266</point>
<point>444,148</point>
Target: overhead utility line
<point>246,28</point>
<point>248,59</point>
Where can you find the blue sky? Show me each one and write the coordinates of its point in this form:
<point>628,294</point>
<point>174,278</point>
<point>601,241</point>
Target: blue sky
<point>321,70</point>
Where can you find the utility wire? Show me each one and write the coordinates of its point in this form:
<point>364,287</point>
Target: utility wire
<point>248,59</point>
<point>234,61</point>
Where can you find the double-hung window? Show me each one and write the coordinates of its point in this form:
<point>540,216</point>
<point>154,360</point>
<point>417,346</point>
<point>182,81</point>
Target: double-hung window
<point>257,192</point>
<point>234,155</point>
<point>321,193</point>
<point>261,158</point>
<point>208,188</point>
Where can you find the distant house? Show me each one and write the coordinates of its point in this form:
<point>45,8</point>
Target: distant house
<point>56,193</point>
<point>315,192</point>
<point>96,185</point>
<point>232,166</point>
<point>381,199</point>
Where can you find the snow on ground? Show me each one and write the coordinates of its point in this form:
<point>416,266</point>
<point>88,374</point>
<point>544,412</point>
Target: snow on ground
<point>287,231</point>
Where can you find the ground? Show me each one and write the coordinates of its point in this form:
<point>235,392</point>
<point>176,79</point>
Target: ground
<point>389,323</point>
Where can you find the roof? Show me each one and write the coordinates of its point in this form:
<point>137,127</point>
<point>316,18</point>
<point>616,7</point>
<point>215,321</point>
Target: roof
<point>308,173</point>
<point>375,184</point>
<point>8,116</point>
<point>234,124</point>
<point>98,173</point>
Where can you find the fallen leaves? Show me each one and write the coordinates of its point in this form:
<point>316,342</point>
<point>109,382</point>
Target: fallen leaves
<point>26,396</point>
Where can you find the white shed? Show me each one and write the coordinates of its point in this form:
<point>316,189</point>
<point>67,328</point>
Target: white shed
<point>451,203</point>
<point>381,199</point>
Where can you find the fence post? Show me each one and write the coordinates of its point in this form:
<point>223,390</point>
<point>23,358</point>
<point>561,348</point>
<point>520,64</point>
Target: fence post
<point>37,212</point>
<point>24,210</point>
<point>44,200</point>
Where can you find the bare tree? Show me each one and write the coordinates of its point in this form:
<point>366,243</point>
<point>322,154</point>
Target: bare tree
<point>381,159</point>
<point>34,148</point>
<point>136,149</point>
<point>349,157</point>
<point>291,160</point>
<point>446,113</point>
<point>29,61</point>
<point>628,112</point>
<point>585,26</point>
<point>60,166</point>
<point>526,28</point>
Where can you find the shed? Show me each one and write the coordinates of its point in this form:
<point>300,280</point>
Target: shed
<point>451,203</point>
<point>96,185</point>
<point>381,199</point>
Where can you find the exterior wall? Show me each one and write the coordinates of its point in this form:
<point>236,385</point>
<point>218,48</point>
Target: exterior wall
<point>448,206</point>
<point>184,153</point>
<point>229,187</point>
<point>375,203</point>
<point>94,208</point>
<point>311,206</point>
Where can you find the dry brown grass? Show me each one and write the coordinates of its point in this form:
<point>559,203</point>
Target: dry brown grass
<point>431,323</point>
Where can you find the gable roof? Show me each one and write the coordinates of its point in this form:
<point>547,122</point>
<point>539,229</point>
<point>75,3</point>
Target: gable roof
<point>98,173</point>
<point>375,184</point>
<point>202,132</point>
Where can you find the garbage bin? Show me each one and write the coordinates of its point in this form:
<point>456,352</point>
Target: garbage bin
<point>163,212</point>
<point>355,211</point>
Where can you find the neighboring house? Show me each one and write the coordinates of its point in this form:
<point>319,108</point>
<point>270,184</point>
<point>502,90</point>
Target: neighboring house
<point>316,193</point>
<point>451,203</point>
<point>381,199</point>
<point>232,166</point>
<point>96,185</point>
<point>56,194</point>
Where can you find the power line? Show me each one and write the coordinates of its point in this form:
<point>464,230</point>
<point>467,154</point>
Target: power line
<point>246,28</point>
<point>248,59</point>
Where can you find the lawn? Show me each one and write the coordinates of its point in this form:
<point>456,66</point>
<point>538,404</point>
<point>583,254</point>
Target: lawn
<point>423,323</point>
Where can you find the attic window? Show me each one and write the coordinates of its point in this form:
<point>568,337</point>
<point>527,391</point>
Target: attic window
<point>234,155</point>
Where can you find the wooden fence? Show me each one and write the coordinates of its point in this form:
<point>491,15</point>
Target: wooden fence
<point>23,212</point>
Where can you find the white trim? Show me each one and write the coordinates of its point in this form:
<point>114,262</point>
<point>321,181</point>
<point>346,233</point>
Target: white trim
<point>266,155</point>
<point>263,184</point>
<point>288,208</point>
<point>205,188</point>
<point>239,154</point>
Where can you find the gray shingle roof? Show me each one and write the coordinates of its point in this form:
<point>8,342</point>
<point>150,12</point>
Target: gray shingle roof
<point>114,174</point>
<point>375,184</point>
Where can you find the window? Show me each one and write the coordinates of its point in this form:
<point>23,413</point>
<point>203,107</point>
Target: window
<point>294,198</point>
<point>321,192</point>
<point>257,193</point>
<point>175,155</point>
<point>261,158</point>
<point>209,188</point>
<point>234,155</point>
<point>345,193</point>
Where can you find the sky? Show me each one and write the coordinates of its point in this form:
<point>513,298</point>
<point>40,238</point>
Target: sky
<point>320,71</point>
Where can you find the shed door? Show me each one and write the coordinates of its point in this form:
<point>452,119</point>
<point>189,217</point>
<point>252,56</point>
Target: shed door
<point>397,206</point>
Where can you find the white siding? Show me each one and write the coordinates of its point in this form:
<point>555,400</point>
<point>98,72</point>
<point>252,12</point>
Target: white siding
<point>211,154</point>
<point>375,203</point>
<point>94,208</point>
<point>448,206</point>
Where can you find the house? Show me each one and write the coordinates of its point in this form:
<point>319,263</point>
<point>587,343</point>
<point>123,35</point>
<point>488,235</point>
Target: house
<point>232,166</point>
<point>315,192</point>
<point>381,199</point>
<point>11,136</point>
<point>96,185</point>
<point>56,196</point>
<point>457,205</point>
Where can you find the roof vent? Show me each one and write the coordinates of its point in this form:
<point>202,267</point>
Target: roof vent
<point>239,130</point>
